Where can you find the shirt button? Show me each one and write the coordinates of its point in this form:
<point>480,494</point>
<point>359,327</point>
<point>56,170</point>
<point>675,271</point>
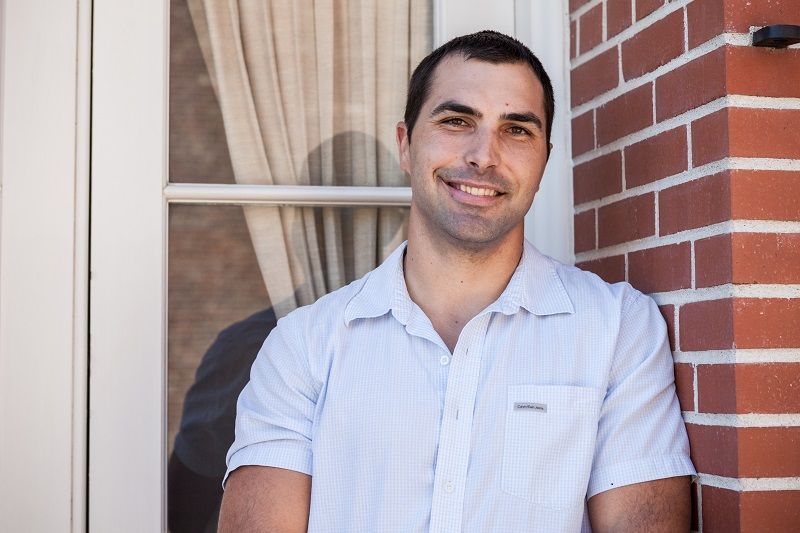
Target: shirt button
<point>444,360</point>
<point>448,487</point>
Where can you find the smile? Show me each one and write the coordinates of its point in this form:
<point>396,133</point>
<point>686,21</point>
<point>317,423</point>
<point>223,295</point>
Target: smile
<point>474,191</point>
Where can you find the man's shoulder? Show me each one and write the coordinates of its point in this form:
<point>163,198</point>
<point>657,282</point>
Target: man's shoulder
<point>586,290</point>
<point>328,310</point>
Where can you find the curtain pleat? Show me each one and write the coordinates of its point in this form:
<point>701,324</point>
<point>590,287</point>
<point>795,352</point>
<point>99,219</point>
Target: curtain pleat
<point>310,91</point>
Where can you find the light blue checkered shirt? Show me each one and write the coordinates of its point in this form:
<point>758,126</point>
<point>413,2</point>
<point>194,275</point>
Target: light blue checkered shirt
<point>559,390</point>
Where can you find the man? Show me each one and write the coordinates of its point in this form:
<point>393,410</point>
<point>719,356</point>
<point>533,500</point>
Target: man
<point>469,383</point>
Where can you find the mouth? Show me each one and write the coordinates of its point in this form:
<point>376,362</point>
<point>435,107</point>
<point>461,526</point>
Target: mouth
<point>471,189</point>
<point>474,191</point>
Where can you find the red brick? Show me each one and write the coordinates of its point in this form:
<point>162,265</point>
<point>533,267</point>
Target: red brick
<point>591,28</point>
<point>742,132</point>
<point>625,114</point>
<point>584,231</point>
<point>597,178</point>
<point>769,452</point>
<point>745,452</point>
<point>767,323</point>
<point>741,15</point>
<point>709,18</point>
<point>741,322</point>
<point>575,4</point>
<point>714,449</point>
<point>776,511</point>
<point>661,269</point>
<point>710,138</point>
<point>712,261</point>
<point>668,312</point>
<point>593,78</point>
<point>720,510</point>
<point>765,195</point>
<point>765,258</point>
<point>654,46</point>
<point>573,32</point>
<point>660,156</point>
<point>705,20</point>
<point>748,388</point>
<point>691,85</point>
<point>684,386</point>
<point>694,204</point>
<point>583,133</point>
<point>611,269</point>
<point>716,389</point>
<point>763,71</point>
<point>764,132</point>
<point>706,325</point>
<point>645,7</point>
<point>618,16</point>
<point>626,220</point>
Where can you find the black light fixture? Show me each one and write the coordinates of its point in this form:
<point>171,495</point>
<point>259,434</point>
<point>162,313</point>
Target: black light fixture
<point>777,36</point>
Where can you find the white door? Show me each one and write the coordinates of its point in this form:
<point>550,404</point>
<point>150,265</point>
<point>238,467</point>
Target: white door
<point>183,234</point>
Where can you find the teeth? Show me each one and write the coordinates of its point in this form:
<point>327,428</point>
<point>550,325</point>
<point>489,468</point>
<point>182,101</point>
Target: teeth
<point>475,191</point>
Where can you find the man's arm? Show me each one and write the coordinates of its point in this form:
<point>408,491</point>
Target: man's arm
<point>262,498</point>
<point>659,506</point>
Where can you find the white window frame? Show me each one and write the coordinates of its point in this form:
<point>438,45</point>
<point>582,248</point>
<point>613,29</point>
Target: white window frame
<point>130,199</point>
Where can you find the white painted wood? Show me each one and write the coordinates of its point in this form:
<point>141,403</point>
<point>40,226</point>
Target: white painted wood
<point>40,254</point>
<point>549,223</point>
<point>306,195</point>
<point>126,443</point>
<point>459,17</point>
<point>80,317</point>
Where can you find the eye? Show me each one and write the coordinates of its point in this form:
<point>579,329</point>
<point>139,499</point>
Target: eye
<point>455,121</point>
<point>519,131</point>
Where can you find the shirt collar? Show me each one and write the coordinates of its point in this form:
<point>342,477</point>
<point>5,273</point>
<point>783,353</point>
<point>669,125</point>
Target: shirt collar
<point>535,286</point>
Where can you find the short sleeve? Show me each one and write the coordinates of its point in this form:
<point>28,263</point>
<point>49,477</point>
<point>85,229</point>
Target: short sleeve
<point>641,434</point>
<point>275,411</point>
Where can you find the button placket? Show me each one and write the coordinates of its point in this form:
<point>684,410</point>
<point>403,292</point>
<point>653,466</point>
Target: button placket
<point>455,432</point>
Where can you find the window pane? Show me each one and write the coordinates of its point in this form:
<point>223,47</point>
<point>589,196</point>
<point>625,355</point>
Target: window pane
<point>220,308</point>
<point>291,93</point>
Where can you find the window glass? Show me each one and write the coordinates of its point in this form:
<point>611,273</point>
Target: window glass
<point>220,311</point>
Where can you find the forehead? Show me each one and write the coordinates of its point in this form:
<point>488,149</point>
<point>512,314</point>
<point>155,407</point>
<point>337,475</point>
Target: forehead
<point>511,87</point>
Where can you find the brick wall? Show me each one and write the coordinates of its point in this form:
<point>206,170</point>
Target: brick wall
<point>686,154</point>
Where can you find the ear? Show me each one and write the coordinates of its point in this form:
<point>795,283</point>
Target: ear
<point>403,147</point>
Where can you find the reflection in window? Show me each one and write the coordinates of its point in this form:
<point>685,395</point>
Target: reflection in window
<point>286,92</point>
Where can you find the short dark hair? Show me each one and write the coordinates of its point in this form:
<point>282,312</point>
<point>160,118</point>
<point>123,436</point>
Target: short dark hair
<point>490,46</point>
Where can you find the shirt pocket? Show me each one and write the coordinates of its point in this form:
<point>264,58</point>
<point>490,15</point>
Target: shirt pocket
<point>549,443</point>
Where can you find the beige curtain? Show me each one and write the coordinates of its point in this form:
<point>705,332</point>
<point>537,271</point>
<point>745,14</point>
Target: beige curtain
<point>310,92</point>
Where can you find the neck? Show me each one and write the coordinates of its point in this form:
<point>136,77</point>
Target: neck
<point>453,282</point>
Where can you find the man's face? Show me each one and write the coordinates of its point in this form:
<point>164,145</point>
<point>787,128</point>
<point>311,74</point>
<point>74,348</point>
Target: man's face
<point>478,151</point>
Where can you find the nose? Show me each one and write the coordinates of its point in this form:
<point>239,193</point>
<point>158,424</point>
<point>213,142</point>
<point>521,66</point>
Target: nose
<point>482,152</point>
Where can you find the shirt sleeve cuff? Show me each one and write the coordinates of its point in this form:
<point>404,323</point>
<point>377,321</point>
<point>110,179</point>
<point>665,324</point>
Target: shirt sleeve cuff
<point>621,474</point>
<point>289,455</point>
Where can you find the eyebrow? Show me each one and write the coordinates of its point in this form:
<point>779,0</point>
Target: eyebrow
<point>457,107</point>
<point>523,117</point>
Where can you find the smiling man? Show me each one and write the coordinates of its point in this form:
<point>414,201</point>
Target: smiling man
<point>469,383</point>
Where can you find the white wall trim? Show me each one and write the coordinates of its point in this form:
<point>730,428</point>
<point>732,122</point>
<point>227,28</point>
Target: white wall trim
<point>128,288</point>
<point>42,311</point>
<point>80,369</point>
